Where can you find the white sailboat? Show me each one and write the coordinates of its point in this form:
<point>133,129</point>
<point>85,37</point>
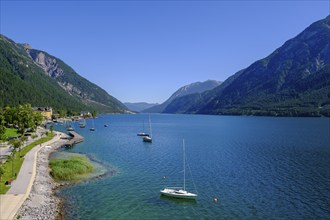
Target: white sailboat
<point>179,192</point>
<point>142,133</point>
<point>82,123</point>
<point>92,128</point>
<point>148,138</point>
<point>69,126</point>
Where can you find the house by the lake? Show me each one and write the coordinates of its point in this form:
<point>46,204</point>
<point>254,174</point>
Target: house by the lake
<point>46,112</point>
<point>85,114</point>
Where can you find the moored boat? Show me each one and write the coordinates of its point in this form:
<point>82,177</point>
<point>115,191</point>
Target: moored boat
<point>82,124</point>
<point>142,134</point>
<point>93,127</point>
<point>179,192</point>
<point>148,138</point>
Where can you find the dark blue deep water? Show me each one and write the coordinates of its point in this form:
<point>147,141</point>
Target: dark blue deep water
<point>257,167</point>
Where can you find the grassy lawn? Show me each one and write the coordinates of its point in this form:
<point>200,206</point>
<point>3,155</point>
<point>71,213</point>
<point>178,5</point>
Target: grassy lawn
<point>10,132</point>
<point>73,168</point>
<point>18,161</point>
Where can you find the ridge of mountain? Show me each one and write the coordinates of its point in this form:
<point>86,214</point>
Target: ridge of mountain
<point>196,87</point>
<point>139,106</point>
<point>294,80</point>
<point>34,76</point>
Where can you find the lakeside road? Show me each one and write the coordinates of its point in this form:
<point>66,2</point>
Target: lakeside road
<point>21,187</point>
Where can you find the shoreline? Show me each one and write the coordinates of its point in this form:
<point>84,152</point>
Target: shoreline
<point>42,202</point>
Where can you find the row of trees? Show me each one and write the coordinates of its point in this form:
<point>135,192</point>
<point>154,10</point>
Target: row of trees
<point>21,117</point>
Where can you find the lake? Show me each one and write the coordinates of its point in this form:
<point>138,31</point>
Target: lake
<point>257,168</point>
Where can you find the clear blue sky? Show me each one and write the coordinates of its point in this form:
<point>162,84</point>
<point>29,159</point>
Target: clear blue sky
<point>146,50</point>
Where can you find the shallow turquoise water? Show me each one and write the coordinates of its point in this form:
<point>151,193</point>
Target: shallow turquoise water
<point>257,167</point>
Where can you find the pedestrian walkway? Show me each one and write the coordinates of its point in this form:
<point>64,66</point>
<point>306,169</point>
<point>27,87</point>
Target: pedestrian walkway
<point>21,187</point>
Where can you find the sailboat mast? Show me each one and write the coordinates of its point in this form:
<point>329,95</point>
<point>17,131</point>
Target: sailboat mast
<point>150,126</point>
<point>143,126</point>
<point>184,167</point>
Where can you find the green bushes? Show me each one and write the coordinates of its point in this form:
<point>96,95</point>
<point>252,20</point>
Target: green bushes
<point>73,168</point>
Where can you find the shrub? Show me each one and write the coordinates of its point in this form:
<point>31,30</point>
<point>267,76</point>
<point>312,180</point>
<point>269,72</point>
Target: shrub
<point>70,169</point>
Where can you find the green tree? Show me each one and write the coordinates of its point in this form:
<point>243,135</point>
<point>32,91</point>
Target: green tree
<point>24,117</point>
<point>20,116</point>
<point>8,114</point>
<point>61,113</point>
<point>2,171</point>
<point>94,113</point>
<point>51,128</point>
<point>37,119</point>
<point>23,139</point>
<point>2,126</point>
<point>69,113</point>
<point>14,116</point>
<point>16,144</point>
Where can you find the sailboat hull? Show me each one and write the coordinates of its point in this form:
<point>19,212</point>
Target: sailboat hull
<point>175,193</point>
<point>142,134</point>
<point>147,139</point>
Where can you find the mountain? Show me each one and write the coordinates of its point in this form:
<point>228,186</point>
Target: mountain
<point>139,106</point>
<point>34,76</point>
<point>197,87</point>
<point>294,80</point>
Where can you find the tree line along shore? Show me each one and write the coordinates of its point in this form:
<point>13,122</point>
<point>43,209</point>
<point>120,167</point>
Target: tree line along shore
<point>21,130</point>
<point>19,133</point>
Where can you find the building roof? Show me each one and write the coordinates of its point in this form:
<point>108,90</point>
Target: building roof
<point>42,109</point>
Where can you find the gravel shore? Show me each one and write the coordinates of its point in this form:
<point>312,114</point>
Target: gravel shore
<point>42,202</point>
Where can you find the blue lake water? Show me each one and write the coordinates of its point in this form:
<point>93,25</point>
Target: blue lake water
<point>257,168</point>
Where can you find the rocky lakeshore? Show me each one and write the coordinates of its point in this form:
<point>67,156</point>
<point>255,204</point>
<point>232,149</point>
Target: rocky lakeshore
<point>42,202</point>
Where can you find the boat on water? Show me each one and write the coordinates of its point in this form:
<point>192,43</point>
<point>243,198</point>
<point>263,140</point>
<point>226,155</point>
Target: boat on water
<point>106,125</point>
<point>179,192</point>
<point>69,126</point>
<point>93,127</point>
<point>176,192</point>
<point>82,124</point>
<point>148,138</point>
<point>142,133</point>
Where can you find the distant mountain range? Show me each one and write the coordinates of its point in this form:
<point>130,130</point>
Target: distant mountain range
<point>36,77</point>
<point>197,87</point>
<point>294,80</point>
<point>139,106</point>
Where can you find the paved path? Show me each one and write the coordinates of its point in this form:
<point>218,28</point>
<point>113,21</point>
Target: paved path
<point>21,187</point>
